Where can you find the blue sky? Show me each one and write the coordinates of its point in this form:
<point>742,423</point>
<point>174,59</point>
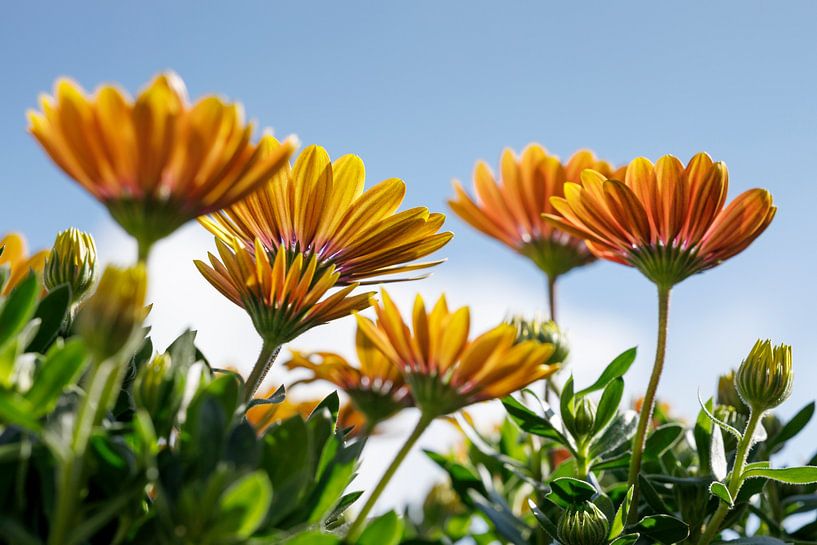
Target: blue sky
<point>423,89</point>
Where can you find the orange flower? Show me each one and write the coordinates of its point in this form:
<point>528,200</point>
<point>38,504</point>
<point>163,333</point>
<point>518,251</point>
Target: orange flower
<point>285,295</point>
<point>319,208</point>
<point>15,263</point>
<point>667,220</point>
<point>511,211</point>
<point>446,370</point>
<point>376,386</point>
<point>157,161</point>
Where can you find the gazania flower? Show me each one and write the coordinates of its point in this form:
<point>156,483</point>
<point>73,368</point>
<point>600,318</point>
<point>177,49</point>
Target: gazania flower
<point>263,416</point>
<point>667,220</point>
<point>15,263</point>
<point>158,161</point>
<point>375,386</point>
<point>284,295</point>
<point>511,209</point>
<point>319,208</point>
<point>445,369</point>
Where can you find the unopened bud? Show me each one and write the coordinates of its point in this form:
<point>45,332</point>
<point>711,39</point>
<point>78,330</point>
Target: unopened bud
<point>764,379</point>
<point>584,419</point>
<point>110,317</point>
<point>72,261</point>
<point>543,331</point>
<point>728,393</point>
<point>159,389</point>
<point>583,524</point>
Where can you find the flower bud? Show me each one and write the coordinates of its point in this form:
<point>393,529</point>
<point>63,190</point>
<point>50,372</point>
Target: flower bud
<point>583,524</point>
<point>735,418</point>
<point>543,331</point>
<point>109,318</point>
<point>71,261</point>
<point>583,419</point>
<point>159,389</point>
<point>728,393</point>
<point>764,379</point>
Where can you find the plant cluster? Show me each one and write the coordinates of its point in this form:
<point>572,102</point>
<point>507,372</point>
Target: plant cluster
<point>107,439</point>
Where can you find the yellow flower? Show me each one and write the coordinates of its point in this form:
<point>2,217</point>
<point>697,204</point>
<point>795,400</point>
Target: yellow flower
<point>319,208</point>
<point>510,210</point>
<point>284,295</point>
<point>15,263</point>
<point>446,370</point>
<point>375,386</point>
<point>155,162</point>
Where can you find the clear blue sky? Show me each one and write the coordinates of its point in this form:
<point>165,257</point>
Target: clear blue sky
<point>422,89</point>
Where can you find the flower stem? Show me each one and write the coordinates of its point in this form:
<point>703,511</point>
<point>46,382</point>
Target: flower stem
<point>645,416</point>
<point>269,351</point>
<point>143,250</point>
<point>736,479</point>
<point>357,526</point>
<point>552,297</point>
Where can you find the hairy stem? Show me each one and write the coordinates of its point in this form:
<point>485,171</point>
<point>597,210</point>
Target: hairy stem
<point>736,479</point>
<point>645,416</point>
<point>269,351</point>
<point>360,521</point>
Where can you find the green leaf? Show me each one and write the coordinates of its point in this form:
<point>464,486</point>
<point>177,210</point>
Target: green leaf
<point>19,308</point>
<point>661,439</point>
<point>313,538</point>
<point>702,434</point>
<point>569,491</point>
<point>15,409</point>
<point>792,427</point>
<point>245,503</point>
<point>60,368</point>
<point>384,530</point>
<point>51,311</point>
<point>620,365</point>
<point>567,403</point>
<point>720,491</point>
<point>620,520</point>
<point>620,431</point>
<point>755,540</point>
<point>790,475</point>
<point>608,404</point>
<point>531,422</point>
<point>331,403</point>
<point>626,539</point>
<point>663,529</point>
<point>717,455</point>
<point>547,525</point>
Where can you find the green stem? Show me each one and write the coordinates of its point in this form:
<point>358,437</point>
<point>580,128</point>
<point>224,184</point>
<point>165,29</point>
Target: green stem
<point>357,526</point>
<point>552,297</point>
<point>736,479</point>
<point>645,416</point>
<point>269,351</point>
<point>143,250</point>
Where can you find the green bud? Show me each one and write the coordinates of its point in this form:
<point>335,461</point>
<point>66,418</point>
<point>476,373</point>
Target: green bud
<point>108,320</point>
<point>72,261</point>
<point>159,389</point>
<point>764,379</point>
<point>583,419</point>
<point>543,331</point>
<point>583,524</point>
<point>728,393</point>
<point>735,418</point>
